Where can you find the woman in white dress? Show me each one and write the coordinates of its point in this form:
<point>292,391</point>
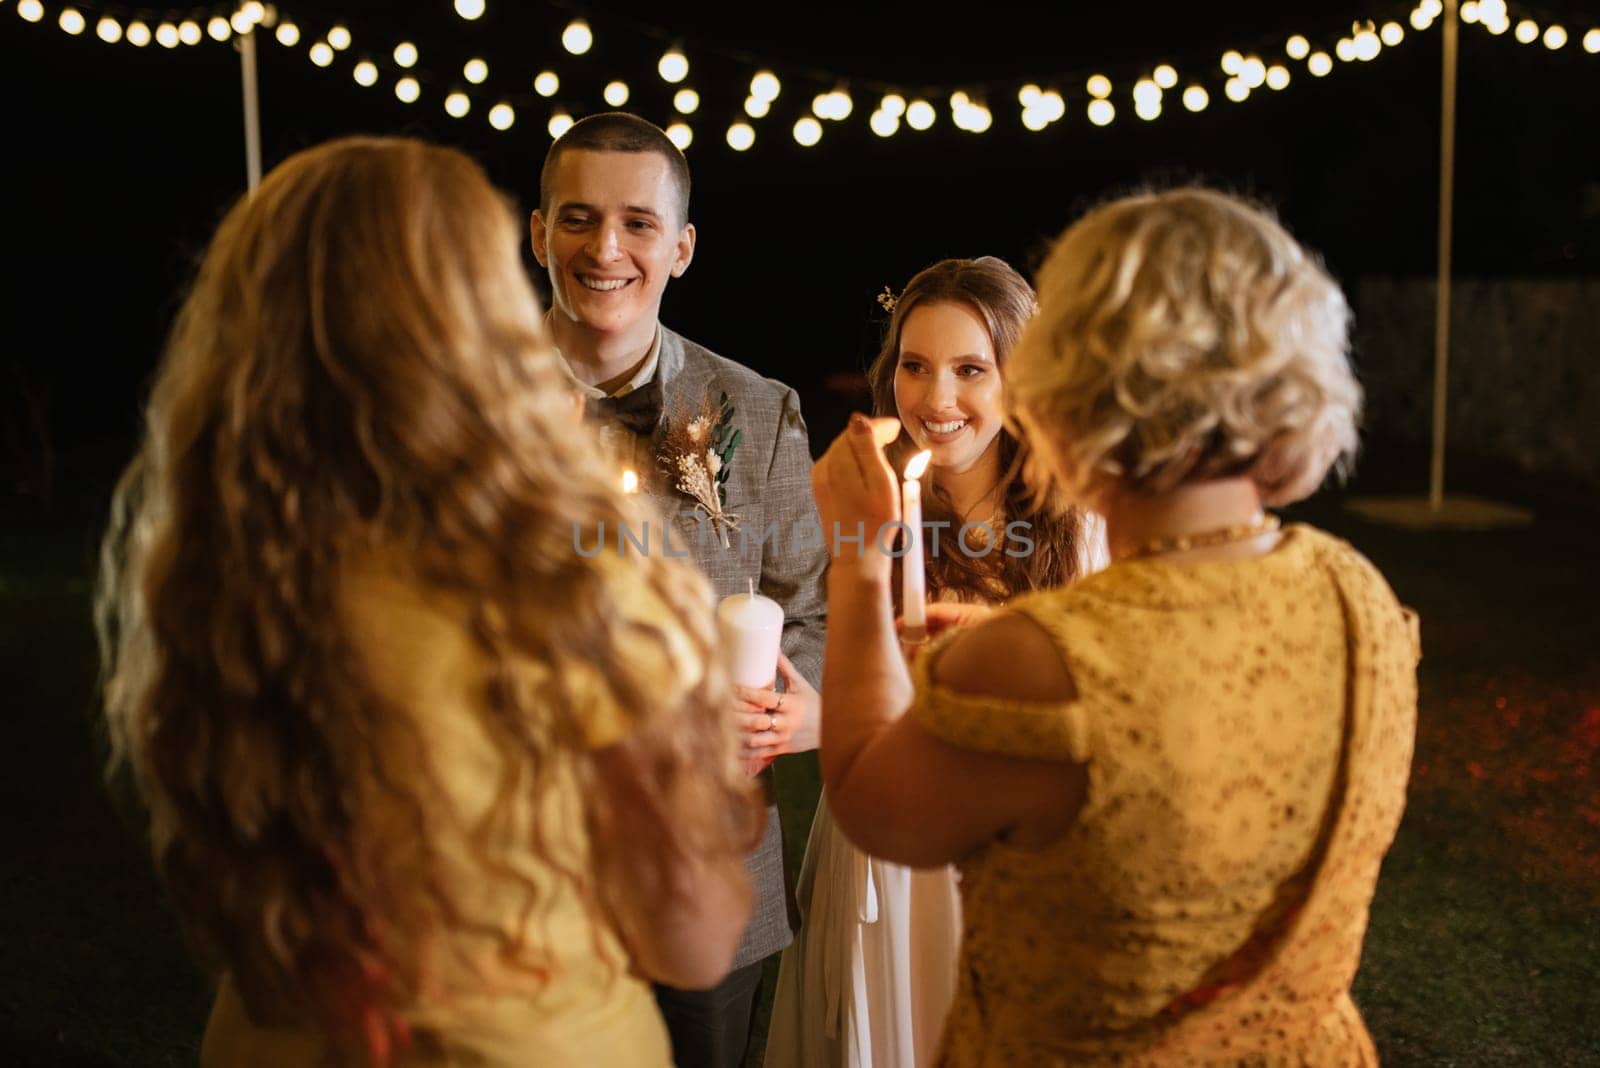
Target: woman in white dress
<point>871,973</point>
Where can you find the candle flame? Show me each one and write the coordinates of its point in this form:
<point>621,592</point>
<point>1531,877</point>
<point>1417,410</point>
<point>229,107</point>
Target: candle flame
<point>918,464</point>
<point>630,480</point>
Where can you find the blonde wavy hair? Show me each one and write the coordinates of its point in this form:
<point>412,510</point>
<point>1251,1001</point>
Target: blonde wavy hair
<point>1185,336</point>
<point>360,371</point>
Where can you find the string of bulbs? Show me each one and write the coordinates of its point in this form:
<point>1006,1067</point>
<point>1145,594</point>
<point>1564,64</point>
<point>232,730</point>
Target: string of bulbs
<point>1042,104</point>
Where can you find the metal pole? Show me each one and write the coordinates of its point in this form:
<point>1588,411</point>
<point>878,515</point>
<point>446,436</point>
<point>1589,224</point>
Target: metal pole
<point>1441,328</point>
<point>252,109</point>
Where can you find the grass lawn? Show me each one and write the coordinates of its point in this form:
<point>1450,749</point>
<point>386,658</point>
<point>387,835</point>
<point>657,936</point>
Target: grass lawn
<point>1484,945</point>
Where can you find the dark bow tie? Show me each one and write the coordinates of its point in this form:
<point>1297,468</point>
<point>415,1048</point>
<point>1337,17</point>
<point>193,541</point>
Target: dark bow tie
<point>639,410</point>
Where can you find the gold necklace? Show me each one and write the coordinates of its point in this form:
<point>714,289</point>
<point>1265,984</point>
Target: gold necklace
<point>1205,539</point>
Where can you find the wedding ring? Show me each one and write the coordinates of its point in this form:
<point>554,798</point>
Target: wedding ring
<point>772,721</point>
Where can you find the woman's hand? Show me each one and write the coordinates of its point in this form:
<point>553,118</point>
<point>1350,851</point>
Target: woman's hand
<point>856,492</point>
<point>776,723</point>
<point>947,615</point>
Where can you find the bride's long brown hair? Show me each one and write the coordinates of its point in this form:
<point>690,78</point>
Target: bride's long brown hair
<point>360,372</point>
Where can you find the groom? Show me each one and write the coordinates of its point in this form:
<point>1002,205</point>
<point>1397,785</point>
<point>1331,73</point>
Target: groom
<point>611,228</point>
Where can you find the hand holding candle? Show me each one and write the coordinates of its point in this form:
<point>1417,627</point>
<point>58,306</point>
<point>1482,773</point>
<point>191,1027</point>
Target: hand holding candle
<point>913,568</point>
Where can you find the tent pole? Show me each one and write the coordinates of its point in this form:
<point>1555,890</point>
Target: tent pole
<point>1441,333</point>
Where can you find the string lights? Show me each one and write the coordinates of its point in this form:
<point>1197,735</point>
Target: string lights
<point>1043,102</point>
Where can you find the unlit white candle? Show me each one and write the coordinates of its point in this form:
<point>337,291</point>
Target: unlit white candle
<point>752,631</point>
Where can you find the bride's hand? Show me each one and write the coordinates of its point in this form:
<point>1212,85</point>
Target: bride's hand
<point>852,483</point>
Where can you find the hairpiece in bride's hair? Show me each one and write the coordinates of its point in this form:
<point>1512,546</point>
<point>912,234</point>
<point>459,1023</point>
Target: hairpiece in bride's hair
<point>888,300</point>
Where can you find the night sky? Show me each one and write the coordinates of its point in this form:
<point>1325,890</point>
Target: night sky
<point>120,161</point>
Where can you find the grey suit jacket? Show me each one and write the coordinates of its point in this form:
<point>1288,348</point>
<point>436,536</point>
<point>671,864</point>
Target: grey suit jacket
<point>769,490</point>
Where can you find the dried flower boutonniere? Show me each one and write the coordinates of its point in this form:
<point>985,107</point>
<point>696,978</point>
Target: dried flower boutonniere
<point>697,453</point>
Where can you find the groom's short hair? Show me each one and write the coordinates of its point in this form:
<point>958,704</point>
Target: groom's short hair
<point>617,131</point>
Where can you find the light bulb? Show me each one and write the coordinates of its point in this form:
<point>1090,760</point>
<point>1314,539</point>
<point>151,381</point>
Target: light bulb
<point>1469,11</point>
<point>1166,76</point>
<point>1098,85</point>
<point>30,10</point>
<point>1237,91</point>
<point>1391,34</point>
<point>1147,93</point>
<point>559,124</point>
<point>1419,21</point>
<point>920,114</point>
<point>1298,47</point>
<point>577,38</point>
<point>1195,98</point>
<point>322,53</point>
<point>108,30</point>
<point>741,135</point>
<point>405,54</point>
<point>765,86</point>
<point>407,89</point>
<point>808,131</point>
<point>339,38</point>
<point>1345,49</point>
<point>673,66</point>
<point>1527,30</point>
<point>1035,118</point>
<point>1029,95</point>
<point>1148,111</point>
<point>1319,64</point>
<point>72,21</point>
<point>288,34</point>
<point>756,108</point>
<point>1591,41</point>
<point>1101,111</point>
<point>883,124</point>
<point>469,10</point>
<point>685,101</point>
<point>680,135</point>
<point>616,93</point>
<point>254,10</point>
<point>475,71</point>
<point>893,104</point>
<point>366,73</point>
<point>189,32</point>
<point>842,104</point>
<point>139,34</point>
<point>1231,62</point>
<point>545,83</point>
<point>1367,46</point>
<point>167,35</point>
<point>1277,76</point>
<point>501,116</point>
<point>1252,72</point>
<point>457,105</point>
<point>1555,37</point>
<point>1052,105</point>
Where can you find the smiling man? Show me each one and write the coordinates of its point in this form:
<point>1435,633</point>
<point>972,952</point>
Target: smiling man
<point>611,229</point>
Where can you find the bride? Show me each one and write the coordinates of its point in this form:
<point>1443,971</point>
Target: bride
<point>870,976</point>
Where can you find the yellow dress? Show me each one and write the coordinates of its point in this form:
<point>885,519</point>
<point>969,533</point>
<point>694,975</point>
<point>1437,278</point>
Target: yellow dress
<point>1247,728</point>
<point>481,1009</point>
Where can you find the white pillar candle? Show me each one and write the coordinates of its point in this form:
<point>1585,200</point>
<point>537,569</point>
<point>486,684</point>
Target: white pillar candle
<point>751,627</point>
<point>913,568</point>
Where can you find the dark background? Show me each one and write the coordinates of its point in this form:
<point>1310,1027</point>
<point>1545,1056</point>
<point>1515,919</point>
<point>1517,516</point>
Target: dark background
<point>121,160</point>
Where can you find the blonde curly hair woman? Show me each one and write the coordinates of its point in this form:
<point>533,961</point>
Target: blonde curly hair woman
<point>417,772</point>
<point>1168,786</point>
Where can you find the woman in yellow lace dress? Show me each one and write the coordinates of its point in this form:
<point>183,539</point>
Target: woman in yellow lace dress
<point>427,786</point>
<point>1168,787</point>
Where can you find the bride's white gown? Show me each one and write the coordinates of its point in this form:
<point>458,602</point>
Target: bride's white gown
<point>872,971</point>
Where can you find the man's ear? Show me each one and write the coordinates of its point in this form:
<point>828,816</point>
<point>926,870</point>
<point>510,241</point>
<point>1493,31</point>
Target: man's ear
<point>536,234</point>
<point>685,250</point>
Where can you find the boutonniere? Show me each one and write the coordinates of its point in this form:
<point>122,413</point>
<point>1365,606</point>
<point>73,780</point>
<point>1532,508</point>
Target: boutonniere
<point>697,452</point>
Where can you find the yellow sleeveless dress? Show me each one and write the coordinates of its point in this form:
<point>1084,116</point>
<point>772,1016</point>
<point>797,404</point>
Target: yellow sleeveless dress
<point>1247,728</point>
<point>579,1006</point>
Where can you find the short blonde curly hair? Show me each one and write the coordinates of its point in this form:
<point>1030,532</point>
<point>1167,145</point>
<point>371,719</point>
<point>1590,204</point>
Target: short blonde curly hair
<point>1185,336</point>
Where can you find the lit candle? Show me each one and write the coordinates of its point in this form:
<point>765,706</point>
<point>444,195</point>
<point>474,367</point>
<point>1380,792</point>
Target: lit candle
<point>751,627</point>
<point>913,576</point>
